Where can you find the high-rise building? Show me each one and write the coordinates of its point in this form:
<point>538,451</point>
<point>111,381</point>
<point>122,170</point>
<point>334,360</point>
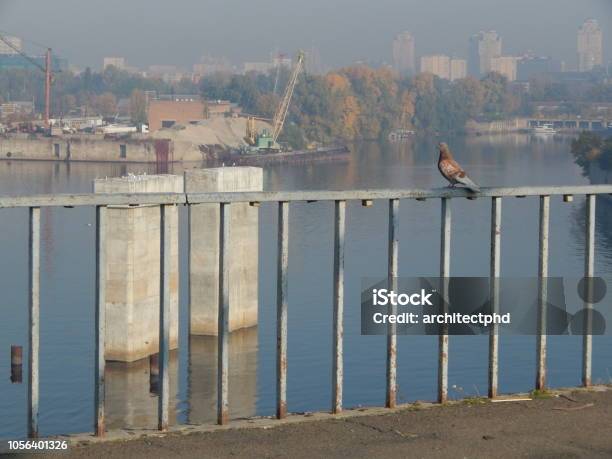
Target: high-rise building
<point>7,50</point>
<point>458,69</point>
<point>438,64</point>
<point>209,65</point>
<point>484,46</point>
<point>404,60</point>
<point>530,65</point>
<point>117,62</point>
<point>590,46</point>
<point>505,65</point>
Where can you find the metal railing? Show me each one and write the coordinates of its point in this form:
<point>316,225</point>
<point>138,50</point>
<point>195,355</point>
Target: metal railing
<point>225,200</point>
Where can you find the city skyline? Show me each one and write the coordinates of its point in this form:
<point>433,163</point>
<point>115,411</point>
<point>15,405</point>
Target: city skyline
<point>342,39</point>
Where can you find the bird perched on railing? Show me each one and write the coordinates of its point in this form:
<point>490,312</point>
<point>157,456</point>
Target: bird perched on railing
<point>452,171</point>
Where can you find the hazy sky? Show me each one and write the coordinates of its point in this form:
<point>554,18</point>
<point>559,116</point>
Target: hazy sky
<point>180,31</point>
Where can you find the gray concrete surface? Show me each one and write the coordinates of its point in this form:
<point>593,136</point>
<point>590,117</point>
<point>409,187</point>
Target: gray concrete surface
<point>574,424</point>
<point>133,268</point>
<point>204,249</point>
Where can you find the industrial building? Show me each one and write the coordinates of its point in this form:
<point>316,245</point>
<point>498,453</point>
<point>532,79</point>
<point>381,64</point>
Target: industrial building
<point>167,111</point>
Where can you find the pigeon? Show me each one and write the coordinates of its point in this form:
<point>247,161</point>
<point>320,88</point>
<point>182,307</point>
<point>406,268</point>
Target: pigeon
<point>452,171</point>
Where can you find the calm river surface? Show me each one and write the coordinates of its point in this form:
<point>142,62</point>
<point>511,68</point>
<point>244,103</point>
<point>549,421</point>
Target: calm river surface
<point>67,282</point>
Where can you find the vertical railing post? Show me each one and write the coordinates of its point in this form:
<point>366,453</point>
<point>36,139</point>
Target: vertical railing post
<point>589,271</point>
<point>338,307</point>
<point>496,221</point>
<point>34,319</point>
<point>223,317</point>
<point>100,320</point>
<point>542,292</point>
<point>391,395</point>
<point>445,249</point>
<point>281,309</point>
<point>164,316</point>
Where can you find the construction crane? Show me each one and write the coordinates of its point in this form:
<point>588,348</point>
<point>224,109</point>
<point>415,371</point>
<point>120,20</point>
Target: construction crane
<point>281,114</point>
<point>46,69</point>
<point>266,139</point>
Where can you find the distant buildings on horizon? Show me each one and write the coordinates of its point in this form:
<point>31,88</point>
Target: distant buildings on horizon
<point>404,54</point>
<point>590,46</point>
<point>485,55</point>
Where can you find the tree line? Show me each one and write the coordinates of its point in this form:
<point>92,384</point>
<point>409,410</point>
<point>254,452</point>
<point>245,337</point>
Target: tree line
<point>350,103</point>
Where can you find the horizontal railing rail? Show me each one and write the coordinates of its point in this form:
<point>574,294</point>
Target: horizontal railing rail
<point>100,199</point>
<point>283,199</point>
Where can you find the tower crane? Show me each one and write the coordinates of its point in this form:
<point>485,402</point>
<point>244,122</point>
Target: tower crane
<point>46,69</point>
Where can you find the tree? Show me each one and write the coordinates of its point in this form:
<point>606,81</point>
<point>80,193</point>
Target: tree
<point>105,104</point>
<point>138,106</point>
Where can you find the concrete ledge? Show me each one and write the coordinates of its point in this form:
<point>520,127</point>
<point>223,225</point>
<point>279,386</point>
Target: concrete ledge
<point>270,422</point>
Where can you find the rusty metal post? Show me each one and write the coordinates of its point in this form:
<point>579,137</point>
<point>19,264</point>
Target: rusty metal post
<point>542,292</point>
<point>34,316</point>
<point>495,267</point>
<point>338,307</point>
<point>164,316</point>
<point>281,309</point>
<point>100,321</point>
<point>445,252</point>
<point>391,394</point>
<point>16,364</point>
<point>589,271</point>
<point>223,322</point>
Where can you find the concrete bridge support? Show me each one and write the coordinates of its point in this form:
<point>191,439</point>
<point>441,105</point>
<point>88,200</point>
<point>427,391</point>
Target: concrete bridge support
<point>133,269</point>
<point>204,249</point>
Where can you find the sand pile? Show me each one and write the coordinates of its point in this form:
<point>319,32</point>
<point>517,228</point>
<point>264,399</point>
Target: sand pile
<point>226,132</point>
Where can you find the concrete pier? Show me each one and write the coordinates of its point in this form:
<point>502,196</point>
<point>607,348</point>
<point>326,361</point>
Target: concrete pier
<point>204,249</point>
<point>133,268</point>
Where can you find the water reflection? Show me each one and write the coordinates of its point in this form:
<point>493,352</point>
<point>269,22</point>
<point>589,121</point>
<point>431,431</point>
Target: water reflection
<point>132,388</point>
<point>202,398</point>
<point>130,400</point>
<point>67,286</point>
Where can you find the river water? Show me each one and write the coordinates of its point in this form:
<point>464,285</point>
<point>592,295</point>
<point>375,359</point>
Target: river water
<point>67,283</point>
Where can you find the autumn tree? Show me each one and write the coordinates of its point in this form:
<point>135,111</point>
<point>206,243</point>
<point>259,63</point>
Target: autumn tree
<point>138,106</point>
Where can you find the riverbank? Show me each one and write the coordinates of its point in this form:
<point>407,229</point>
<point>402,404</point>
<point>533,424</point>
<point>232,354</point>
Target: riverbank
<point>570,423</point>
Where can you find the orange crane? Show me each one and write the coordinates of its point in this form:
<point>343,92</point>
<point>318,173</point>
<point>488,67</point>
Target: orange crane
<point>46,69</point>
